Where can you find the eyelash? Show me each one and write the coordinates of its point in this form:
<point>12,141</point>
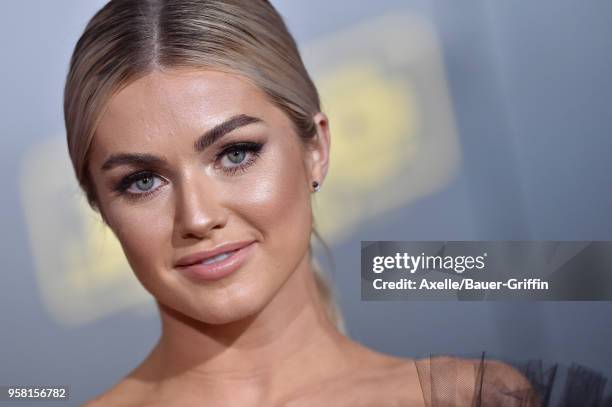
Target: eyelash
<point>252,150</point>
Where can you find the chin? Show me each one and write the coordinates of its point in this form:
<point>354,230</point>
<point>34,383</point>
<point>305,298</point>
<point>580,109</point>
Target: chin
<point>222,306</point>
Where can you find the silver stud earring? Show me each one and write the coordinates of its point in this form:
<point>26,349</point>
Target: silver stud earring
<point>316,186</point>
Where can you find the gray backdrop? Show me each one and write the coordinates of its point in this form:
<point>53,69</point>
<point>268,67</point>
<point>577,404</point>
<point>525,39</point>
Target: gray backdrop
<point>531,101</point>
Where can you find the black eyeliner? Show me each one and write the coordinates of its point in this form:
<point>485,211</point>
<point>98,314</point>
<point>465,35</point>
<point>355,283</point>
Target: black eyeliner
<point>128,180</point>
<point>250,146</point>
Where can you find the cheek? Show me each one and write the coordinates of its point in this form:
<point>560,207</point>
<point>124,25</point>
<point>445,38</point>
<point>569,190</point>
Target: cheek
<point>144,233</point>
<point>276,199</point>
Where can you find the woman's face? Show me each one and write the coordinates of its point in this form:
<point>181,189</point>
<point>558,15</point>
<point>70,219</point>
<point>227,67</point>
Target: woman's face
<point>187,161</point>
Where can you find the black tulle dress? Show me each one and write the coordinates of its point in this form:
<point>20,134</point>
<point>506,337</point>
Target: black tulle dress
<point>446,383</point>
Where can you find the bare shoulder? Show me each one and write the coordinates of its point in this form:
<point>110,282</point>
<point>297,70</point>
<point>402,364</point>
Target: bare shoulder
<point>127,393</point>
<point>376,379</point>
<point>394,381</point>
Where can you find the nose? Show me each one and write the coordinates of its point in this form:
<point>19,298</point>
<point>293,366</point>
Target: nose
<point>198,210</point>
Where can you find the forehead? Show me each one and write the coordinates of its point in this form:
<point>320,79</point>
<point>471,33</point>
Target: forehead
<point>179,101</point>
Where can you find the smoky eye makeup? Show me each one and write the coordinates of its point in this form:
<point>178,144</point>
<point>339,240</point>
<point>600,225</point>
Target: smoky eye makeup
<point>238,156</point>
<point>139,184</point>
<point>231,159</point>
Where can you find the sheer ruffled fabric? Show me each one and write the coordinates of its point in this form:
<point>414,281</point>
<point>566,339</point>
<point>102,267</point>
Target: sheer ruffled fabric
<point>483,382</point>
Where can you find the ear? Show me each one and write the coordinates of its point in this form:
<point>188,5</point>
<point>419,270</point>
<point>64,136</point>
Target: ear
<point>317,159</point>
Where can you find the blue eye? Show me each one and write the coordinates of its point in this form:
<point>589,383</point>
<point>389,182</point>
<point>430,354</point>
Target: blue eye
<point>232,158</point>
<point>145,183</point>
<point>239,156</point>
<point>139,184</point>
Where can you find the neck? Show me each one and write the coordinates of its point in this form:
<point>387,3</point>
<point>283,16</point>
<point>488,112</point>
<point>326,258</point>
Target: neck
<point>289,344</point>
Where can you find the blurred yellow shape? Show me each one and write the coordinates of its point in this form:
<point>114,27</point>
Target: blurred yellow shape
<point>393,137</point>
<point>81,271</point>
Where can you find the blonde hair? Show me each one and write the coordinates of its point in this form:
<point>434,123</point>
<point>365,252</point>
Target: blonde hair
<point>127,39</point>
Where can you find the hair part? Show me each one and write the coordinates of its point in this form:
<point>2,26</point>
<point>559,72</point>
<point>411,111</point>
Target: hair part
<point>128,39</point>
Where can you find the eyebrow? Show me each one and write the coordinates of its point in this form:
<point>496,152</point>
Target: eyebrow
<point>220,130</point>
<point>201,144</point>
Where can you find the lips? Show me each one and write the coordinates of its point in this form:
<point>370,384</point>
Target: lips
<point>203,256</point>
<point>217,263</point>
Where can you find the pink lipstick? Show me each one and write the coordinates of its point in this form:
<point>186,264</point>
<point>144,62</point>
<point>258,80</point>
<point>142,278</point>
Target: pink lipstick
<point>216,263</point>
